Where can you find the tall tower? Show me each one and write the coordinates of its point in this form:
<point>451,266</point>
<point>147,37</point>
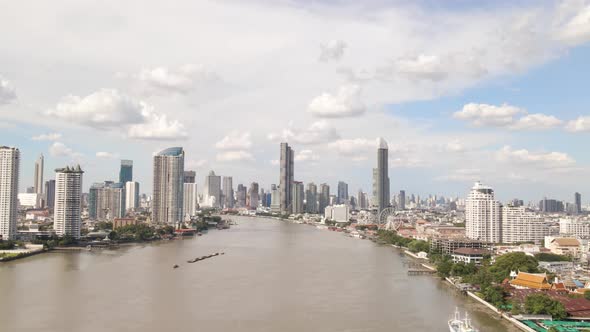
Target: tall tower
<point>126,171</point>
<point>168,189</point>
<point>482,215</point>
<point>190,203</point>
<point>228,192</point>
<point>190,176</point>
<point>68,201</point>
<point>342,192</point>
<point>253,197</point>
<point>50,193</point>
<point>286,178</point>
<point>324,199</point>
<point>298,193</point>
<point>9,173</point>
<point>311,198</point>
<point>212,190</point>
<point>131,195</point>
<point>38,185</point>
<point>578,202</point>
<point>381,177</point>
<point>402,200</point>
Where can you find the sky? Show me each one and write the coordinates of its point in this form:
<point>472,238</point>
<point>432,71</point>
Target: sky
<point>462,91</point>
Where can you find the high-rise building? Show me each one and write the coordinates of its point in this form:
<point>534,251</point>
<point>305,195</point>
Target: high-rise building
<point>38,185</point>
<point>362,200</point>
<point>402,200</point>
<point>68,201</point>
<point>275,205</point>
<point>311,198</point>
<point>190,176</point>
<point>190,203</point>
<point>482,215</point>
<point>9,175</point>
<point>126,171</point>
<point>131,195</point>
<point>50,194</point>
<point>286,178</point>
<point>551,205</point>
<point>106,201</point>
<point>574,227</point>
<point>241,195</point>
<point>212,190</point>
<point>342,192</point>
<point>520,225</point>
<point>381,183</point>
<point>324,199</point>
<point>228,192</point>
<point>298,196</point>
<point>253,198</point>
<point>578,202</point>
<point>168,189</point>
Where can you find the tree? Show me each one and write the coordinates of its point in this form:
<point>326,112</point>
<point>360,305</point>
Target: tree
<point>542,304</point>
<point>587,295</point>
<point>549,257</point>
<point>495,295</point>
<point>516,261</point>
<point>444,268</point>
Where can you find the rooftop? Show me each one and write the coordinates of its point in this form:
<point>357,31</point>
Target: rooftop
<point>173,152</point>
<point>531,280</point>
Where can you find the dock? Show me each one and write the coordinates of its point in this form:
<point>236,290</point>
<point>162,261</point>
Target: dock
<point>419,272</point>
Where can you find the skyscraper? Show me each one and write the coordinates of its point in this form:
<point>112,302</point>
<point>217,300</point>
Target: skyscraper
<point>241,195</point>
<point>324,199</point>
<point>68,201</point>
<point>190,176</point>
<point>298,195</point>
<point>342,192</point>
<point>253,197</point>
<point>168,186</point>
<point>131,195</point>
<point>50,193</point>
<point>228,192</point>
<point>381,177</point>
<point>578,202</point>
<point>311,198</point>
<point>9,174</point>
<point>190,203</point>
<point>274,200</point>
<point>402,200</point>
<point>212,190</point>
<point>286,178</point>
<point>126,171</point>
<point>483,215</point>
<point>38,185</point>
<point>106,201</point>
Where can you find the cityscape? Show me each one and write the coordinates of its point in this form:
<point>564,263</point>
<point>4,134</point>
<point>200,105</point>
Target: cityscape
<point>295,166</point>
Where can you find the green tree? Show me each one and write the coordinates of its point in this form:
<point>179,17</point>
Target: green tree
<point>542,304</point>
<point>444,268</point>
<point>495,295</point>
<point>587,295</point>
<point>516,261</point>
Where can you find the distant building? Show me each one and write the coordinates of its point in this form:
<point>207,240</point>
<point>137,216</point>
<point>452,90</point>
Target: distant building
<point>228,192</point>
<point>275,205</point>
<point>469,255</point>
<point>286,178</point>
<point>253,199</point>
<point>324,199</point>
<point>126,171</point>
<point>168,189</point>
<point>578,202</point>
<point>402,200</point>
<point>551,206</point>
<point>563,246</point>
<point>29,201</point>
<point>38,176</point>
<point>131,196</point>
<point>120,222</point>
<point>106,201</point>
<point>9,176</point>
<point>50,193</point>
<point>190,203</point>
<point>520,225</point>
<point>342,192</point>
<point>482,215</point>
<point>212,190</point>
<point>338,213</point>
<point>241,194</point>
<point>574,227</point>
<point>298,196</point>
<point>381,182</point>
<point>190,176</point>
<point>311,198</point>
<point>68,201</point>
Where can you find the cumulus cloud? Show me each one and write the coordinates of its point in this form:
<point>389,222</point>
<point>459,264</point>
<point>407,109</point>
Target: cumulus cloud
<point>538,159</point>
<point>158,127</point>
<point>181,80</point>
<point>354,146</point>
<point>345,103</point>
<point>461,175</point>
<point>235,156</point>
<point>573,25</point>
<point>319,132</point>
<point>332,50</point>
<point>536,122</point>
<point>306,155</point>
<point>506,116</point>
<point>580,124</point>
<point>47,137</point>
<point>58,149</point>
<point>195,163</point>
<point>106,155</point>
<point>7,92</point>
<point>235,141</point>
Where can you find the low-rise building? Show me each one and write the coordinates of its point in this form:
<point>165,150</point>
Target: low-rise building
<point>563,246</point>
<point>447,246</point>
<point>530,281</point>
<point>120,222</point>
<point>469,255</point>
<point>337,213</point>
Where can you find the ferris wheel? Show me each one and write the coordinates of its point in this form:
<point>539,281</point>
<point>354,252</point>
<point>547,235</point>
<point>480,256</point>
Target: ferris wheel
<point>387,219</point>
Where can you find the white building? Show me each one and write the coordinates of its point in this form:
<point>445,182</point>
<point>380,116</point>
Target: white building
<point>27,200</point>
<point>520,225</point>
<point>38,176</point>
<point>482,215</point>
<point>9,174</point>
<point>131,195</point>
<point>168,186</point>
<point>212,190</point>
<point>574,227</point>
<point>68,201</point>
<point>337,213</point>
<point>190,203</point>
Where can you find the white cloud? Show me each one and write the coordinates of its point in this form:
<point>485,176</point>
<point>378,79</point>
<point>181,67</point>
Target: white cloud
<point>346,103</point>
<point>190,164</point>
<point>535,159</point>
<point>319,132</point>
<point>181,80</point>
<point>536,122</point>
<point>462,175</point>
<point>332,50</point>
<point>7,92</point>
<point>158,127</point>
<point>306,155</point>
<point>47,137</point>
<point>488,115</point>
<point>106,155</point>
<point>235,141</point>
<point>573,26</point>
<point>58,149</point>
<point>580,124</point>
<point>235,156</point>
<point>429,67</point>
<point>354,146</point>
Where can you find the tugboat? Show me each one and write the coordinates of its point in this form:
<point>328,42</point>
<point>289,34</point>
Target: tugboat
<point>175,266</point>
<point>458,325</point>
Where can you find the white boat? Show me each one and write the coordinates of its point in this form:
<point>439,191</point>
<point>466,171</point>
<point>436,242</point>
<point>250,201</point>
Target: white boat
<point>357,235</point>
<point>456,324</point>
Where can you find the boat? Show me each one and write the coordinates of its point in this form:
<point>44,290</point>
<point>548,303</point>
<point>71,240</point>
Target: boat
<point>458,325</point>
<point>175,266</point>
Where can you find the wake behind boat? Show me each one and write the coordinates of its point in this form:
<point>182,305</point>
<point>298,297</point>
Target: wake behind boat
<point>458,325</point>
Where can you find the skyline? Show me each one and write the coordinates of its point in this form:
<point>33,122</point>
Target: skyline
<point>491,107</point>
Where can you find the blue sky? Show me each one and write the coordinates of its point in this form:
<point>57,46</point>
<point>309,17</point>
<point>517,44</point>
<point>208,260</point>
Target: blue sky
<point>461,90</point>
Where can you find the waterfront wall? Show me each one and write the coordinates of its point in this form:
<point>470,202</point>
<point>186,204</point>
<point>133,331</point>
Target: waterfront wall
<point>504,315</point>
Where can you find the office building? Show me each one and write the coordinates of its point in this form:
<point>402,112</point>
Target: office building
<point>190,204</point>
<point>241,195</point>
<point>253,199</point>
<point>482,215</point>
<point>38,176</point>
<point>126,171</point>
<point>311,198</point>
<point>578,202</point>
<point>106,201</point>
<point>551,206</point>
<point>402,200</point>
<point>190,176</point>
<point>68,201</point>
<point>342,192</point>
<point>275,205</point>
<point>168,188</point>
<point>9,176</point>
<point>228,192</point>
<point>381,183</point>
<point>212,190</point>
<point>50,194</point>
<point>131,196</point>
<point>298,196</point>
<point>286,178</point>
<point>324,199</point>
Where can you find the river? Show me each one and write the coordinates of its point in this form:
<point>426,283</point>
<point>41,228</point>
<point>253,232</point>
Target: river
<point>274,276</point>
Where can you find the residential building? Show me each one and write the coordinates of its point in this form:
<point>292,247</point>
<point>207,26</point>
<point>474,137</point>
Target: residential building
<point>190,203</point>
<point>275,205</point>
<point>448,245</point>
<point>324,199</point>
<point>253,200</point>
<point>381,182</point>
<point>482,215</point>
<point>9,176</point>
<point>298,196</point>
<point>578,228</point>
<point>131,196</point>
<point>551,206</point>
<point>241,194</point>
<point>106,201</point>
<point>50,193</point>
<point>190,176</point>
<point>286,178</point>
<point>311,198</point>
<point>68,201</point>
<point>29,201</point>
<point>342,192</point>
<point>212,190</point>
<point>338,213</point>
<point>126,171</point>
<point>469,255</point>
<point>521,225</point>
<point>38,176</point>
<point>168,189</point>
<point>228,192</point>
